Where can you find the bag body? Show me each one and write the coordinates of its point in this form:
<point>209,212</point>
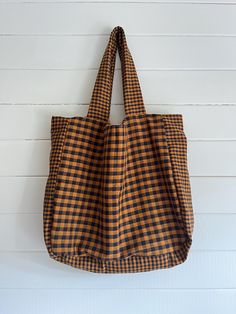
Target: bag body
<point>118,197</point>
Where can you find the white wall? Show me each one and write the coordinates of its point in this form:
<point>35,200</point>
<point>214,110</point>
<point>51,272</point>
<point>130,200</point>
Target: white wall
<point>185,53</point>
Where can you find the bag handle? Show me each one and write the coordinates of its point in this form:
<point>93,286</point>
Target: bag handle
<point>99,107</point>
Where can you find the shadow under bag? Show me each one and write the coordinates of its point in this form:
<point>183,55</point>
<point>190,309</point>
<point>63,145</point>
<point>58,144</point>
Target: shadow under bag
<point>118,197</point>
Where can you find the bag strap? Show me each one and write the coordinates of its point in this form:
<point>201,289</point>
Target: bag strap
<point>99,107</point>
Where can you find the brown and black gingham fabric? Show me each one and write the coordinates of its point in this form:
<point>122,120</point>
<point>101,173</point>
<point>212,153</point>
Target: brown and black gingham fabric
<point>118,197</point>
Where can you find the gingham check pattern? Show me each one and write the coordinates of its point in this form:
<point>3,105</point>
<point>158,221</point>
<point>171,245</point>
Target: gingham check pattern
<point>118,197</point>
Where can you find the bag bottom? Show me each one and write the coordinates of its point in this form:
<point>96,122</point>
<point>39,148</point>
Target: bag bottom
<point>131,264</point>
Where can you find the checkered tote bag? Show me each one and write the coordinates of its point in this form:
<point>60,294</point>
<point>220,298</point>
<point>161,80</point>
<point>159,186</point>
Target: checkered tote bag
<point>118,197</point>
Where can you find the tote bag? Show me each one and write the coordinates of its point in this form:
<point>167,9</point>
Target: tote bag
<point>118,197</point>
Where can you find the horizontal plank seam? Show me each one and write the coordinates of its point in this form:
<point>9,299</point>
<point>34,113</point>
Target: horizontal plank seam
<point>192,2</point>
<point>119,104</point>
<point>117,1</point>
<point>22,212</point>
<point>44,252</point>
<point>118,69</point>
<point>210,139</point>
<point>31,251</point>
<point>191,176</point>
<point>122,289</point>
<point>97,34</point>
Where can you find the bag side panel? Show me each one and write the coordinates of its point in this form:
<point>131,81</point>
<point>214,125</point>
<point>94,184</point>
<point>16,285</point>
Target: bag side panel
<point>177,144</point>
<point>58,132</point>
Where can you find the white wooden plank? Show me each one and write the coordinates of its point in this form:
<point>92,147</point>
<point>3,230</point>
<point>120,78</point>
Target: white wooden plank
<point>27,18</point>
<point>24,158</point>
<point>22,194</point>
<point>85,52</point>
<point>214,232</point>
<point>31,158</point>
<point>37,270</point>
<point>117,301</point>
<point>212,158</point>
<point>159,87</point>
<point>214,194</point>
<point>34,121</point>
<point>25,232</point>
<point>25,194</point>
